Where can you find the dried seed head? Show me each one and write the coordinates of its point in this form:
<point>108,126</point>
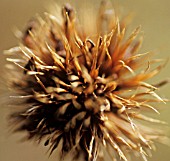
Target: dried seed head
<point>85,91</point>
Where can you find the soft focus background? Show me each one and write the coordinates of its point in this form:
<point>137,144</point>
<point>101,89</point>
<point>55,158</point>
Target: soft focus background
<point>153,15</point>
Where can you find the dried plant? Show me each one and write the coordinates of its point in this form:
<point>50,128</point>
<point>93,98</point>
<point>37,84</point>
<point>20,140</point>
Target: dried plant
<point>86,91</point>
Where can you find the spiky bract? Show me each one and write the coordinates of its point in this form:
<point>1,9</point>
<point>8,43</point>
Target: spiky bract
<point>85,90</point>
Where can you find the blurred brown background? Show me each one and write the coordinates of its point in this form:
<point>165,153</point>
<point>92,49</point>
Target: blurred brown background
<point>153,15</point>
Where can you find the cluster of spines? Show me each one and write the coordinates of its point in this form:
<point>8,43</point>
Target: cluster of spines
<point>80,89</point>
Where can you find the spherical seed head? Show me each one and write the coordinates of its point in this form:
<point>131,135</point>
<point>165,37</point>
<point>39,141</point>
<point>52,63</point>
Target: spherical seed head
<point>85,90</point>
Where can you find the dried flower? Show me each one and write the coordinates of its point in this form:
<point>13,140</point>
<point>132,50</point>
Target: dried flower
<point>84,90</point>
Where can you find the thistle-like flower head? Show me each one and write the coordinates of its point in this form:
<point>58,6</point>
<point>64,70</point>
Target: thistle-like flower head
<point>84,90</point>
